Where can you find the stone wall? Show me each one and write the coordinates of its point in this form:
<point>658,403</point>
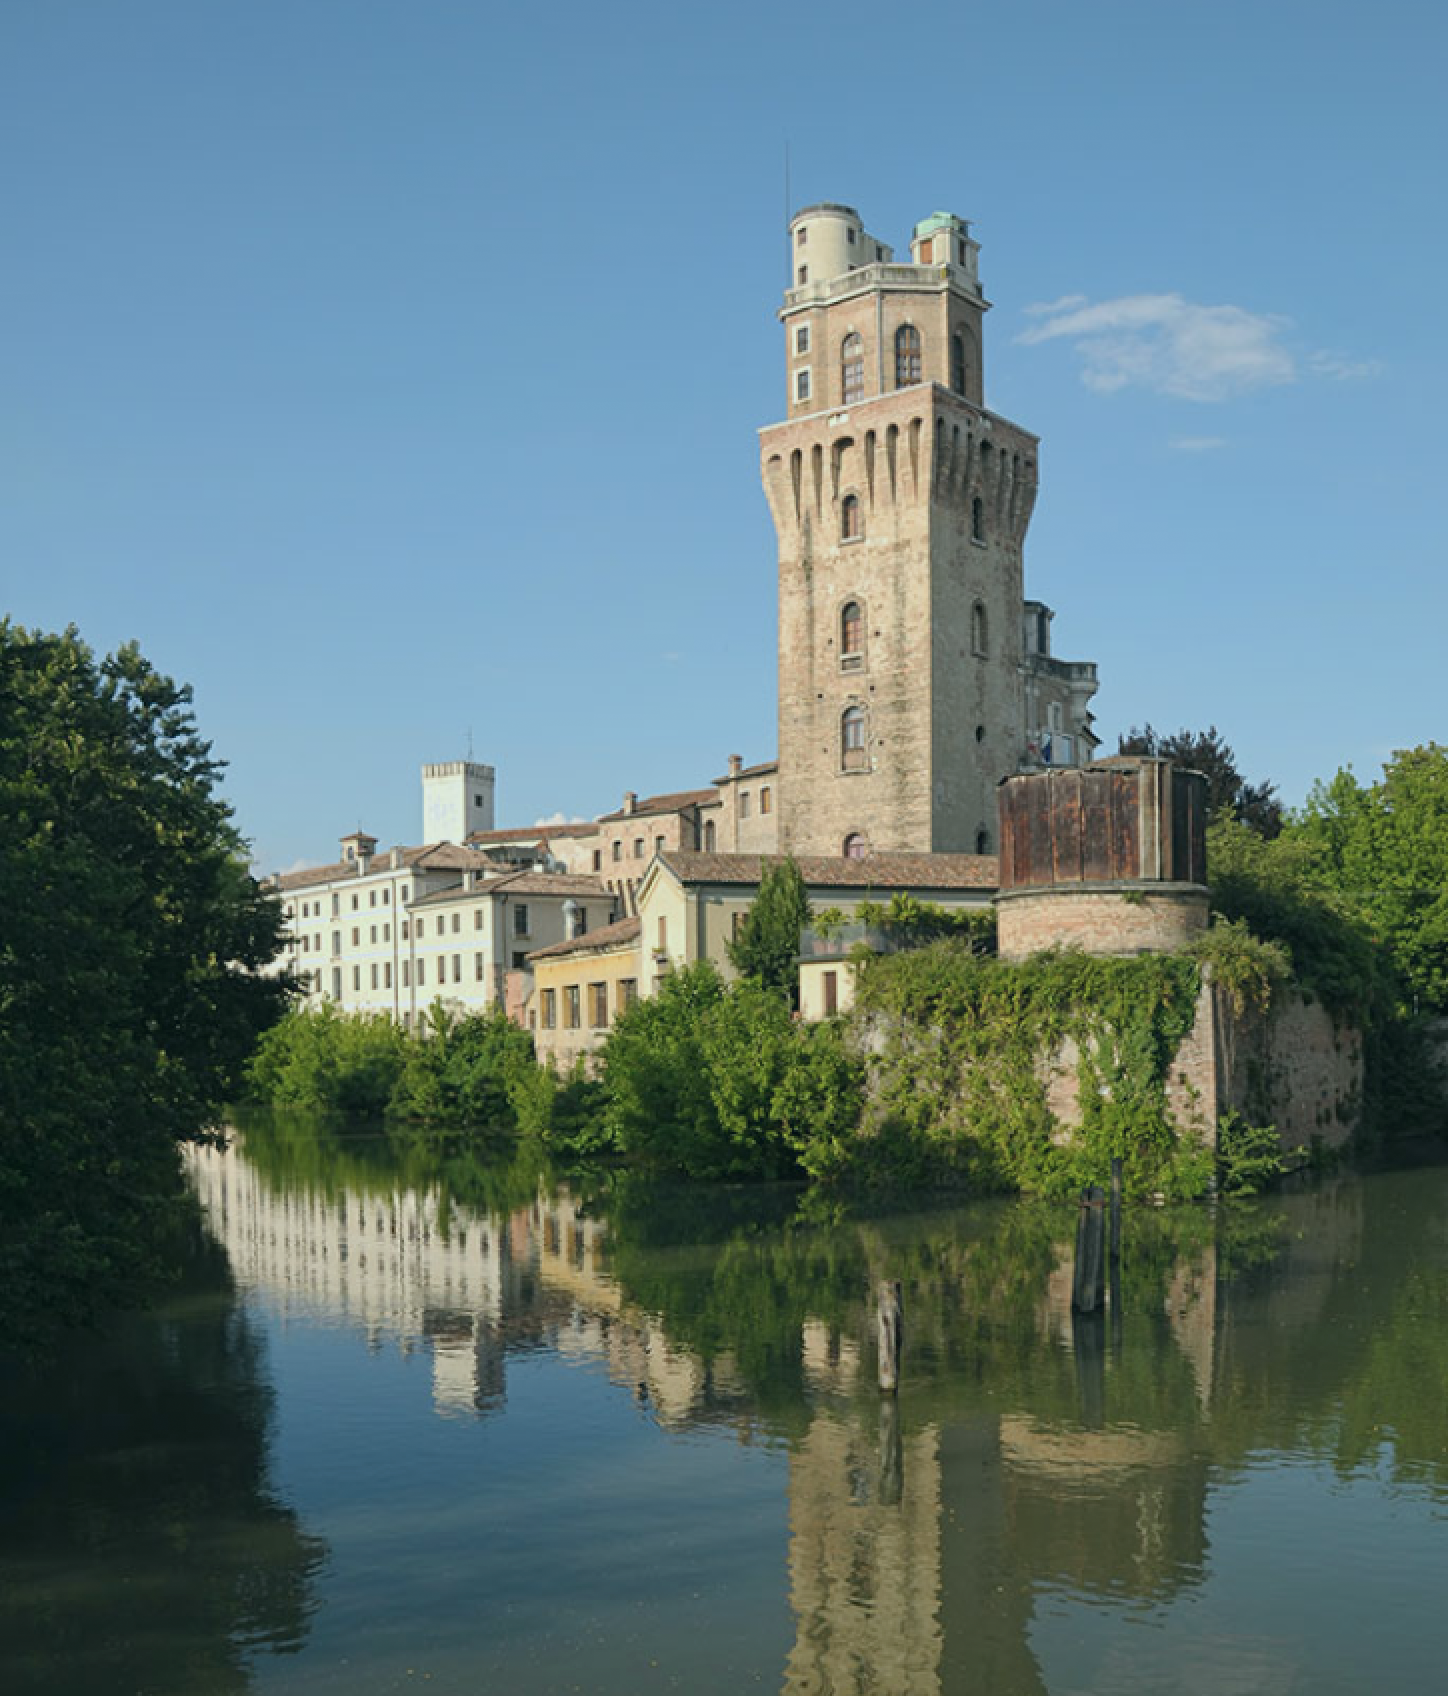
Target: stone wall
<point>1292,1068</point>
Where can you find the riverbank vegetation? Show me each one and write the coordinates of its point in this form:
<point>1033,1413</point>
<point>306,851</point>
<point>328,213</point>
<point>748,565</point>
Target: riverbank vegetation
<point>131,971</point>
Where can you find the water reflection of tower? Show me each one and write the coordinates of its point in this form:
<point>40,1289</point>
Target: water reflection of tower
<point>864,1545</point>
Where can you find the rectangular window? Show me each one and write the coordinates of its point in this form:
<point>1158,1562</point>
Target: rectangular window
<point>406,974</point>
<point>406,929</point>
<point>457,923</point>
<point>520,919</point>
<point>477,918</point>
<point>520,962</point>
<point>572,1007</point>
<point>375,976</point>
<point>744,804</point>
<point>306,945</point>
<point>457,968</point>
<point>801,339</point>
<point>638,847</point>
<point>336,905</point>
<point>387,975</point>
<point>336,943</point>
<point>354,903</point>
<point>550,1009</point>
<point>628,992</point>
<point>373,937</point>
<point>371,897</point>
<point>663,933</point>
<point>801,385</point>
<point>478,967</point>
<point>658,844</point>
<point>766,800</point>
<point>582,920</point>
<point>356,935</point>
<point>387,933</point>
<point>803,275</point>
<point>386,897</point>
<point>421,973</point>
<point>356,977</point>
<point>598,1006</point>
<point>618,849</point>
<point>598,859</point>
<point>832,994</point>
<point>336,983</point>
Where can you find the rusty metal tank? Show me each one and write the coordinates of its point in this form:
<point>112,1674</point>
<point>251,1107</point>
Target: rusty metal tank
<point>1110,858</point>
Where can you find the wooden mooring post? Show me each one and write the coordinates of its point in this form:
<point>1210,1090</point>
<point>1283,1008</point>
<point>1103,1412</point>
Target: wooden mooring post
<point>1116,1252</point>
<point>891,1334</point>
<point>1088,1286</point>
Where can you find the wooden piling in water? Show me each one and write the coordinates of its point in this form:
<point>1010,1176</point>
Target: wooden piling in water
<point>1088,1282</point>
<point>891,1334</point>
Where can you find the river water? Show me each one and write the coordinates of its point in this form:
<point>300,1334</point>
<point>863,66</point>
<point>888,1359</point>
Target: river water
<point>417,1421</point>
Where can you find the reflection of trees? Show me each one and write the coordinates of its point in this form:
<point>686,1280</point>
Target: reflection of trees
<point>141,1545</point>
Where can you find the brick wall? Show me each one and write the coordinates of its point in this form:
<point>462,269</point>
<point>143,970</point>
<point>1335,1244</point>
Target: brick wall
<point>1099,921</point>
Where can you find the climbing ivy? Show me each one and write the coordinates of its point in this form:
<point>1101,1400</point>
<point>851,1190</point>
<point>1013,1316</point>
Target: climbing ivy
<point>963,1050</point>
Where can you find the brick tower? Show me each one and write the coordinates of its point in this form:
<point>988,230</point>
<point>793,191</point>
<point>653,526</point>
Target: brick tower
<point>907,673</point>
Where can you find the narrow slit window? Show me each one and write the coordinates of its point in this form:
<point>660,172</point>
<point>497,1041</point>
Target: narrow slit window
<point>907,356</point>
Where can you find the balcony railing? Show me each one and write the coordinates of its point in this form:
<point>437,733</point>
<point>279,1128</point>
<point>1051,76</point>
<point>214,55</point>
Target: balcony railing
<point>879,276</point>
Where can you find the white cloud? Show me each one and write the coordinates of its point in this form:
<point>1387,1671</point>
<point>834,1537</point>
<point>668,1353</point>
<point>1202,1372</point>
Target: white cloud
<point>1341,369</point>
<point>559,818</point>
<point>1167,344</point>
<point>1198,444</point>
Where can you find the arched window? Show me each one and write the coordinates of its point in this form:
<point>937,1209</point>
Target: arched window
<point>977,520</point>
<point>957,364</point>
<point>982,841</point>
<point>852,739</point>
<point>851,526</point>
<point>710,836</point>
<point>979,631</point>
<point>852,370</point>
<point>852,631</point>
<point>855,845</point>
<point>907,356</point>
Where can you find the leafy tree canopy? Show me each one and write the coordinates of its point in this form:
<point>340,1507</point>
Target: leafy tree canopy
<point>1382,850</point>
<point>767,946</point>
<point>1229,795</point>
<point>131,952</point>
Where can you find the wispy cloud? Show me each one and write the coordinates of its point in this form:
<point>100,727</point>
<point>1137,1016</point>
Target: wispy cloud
<point>1168,344</point>
<point>1197,444</point>
<point>1341,369</point>
<point>559,818</point>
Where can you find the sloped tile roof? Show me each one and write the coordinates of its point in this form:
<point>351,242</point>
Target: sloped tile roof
<point>883,871</point>
<point>606,936</point>
<point>674,803</point>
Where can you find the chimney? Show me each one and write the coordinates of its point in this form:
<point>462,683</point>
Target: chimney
<point>736,764</point>
<point>630,801</point>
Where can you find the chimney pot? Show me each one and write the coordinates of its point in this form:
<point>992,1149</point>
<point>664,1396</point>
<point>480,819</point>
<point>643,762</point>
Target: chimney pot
<point>736,764</point>
<point>630,800</point>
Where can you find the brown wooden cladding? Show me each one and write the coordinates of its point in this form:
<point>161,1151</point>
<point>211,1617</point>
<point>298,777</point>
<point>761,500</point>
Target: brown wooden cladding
<point>1104,824</point>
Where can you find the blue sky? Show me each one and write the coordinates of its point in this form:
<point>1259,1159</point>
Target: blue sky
<point>391,371</point>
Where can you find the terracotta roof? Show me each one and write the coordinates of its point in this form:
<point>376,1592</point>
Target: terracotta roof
<point>431,856</point>
<point>762,770</point>
<point>533,833</point>
<point>674,803</point>
<point>882,872</point>
<point>522,882</point>
<point>606,936</point>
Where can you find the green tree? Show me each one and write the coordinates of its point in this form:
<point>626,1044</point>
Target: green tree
<point>767,946</point>
<point>1229,795</point>
<point>132,942</point>
<point>1382,849</point>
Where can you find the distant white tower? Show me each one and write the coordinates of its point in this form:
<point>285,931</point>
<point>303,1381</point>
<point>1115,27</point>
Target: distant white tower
<point>457,799</point>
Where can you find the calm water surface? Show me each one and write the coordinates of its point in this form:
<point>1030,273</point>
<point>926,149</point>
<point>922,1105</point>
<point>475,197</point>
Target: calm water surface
<point>415,1422</point>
